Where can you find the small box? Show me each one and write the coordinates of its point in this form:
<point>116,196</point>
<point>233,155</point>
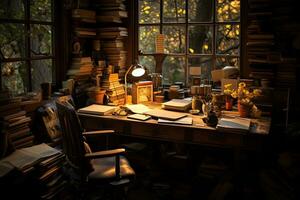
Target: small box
<point>142,92</point>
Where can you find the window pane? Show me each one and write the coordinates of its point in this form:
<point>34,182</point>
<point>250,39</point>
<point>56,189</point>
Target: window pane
<point>40,10</point>
<point>12,9</point>
<point>147,35</point>
<point>14,77</point>
<point>227,61</point>
<point>200,39</point>
<point>200,11</point>
<point>200,67</point>
<point>148,62</point>
<point>173,69</point>
<point>174,11</point>
<point>41,71</point>
<point>12,40</point>
<point>228,10</point>
<point>228,39</point>
<point>41,40</point>
<point>174,39</point>
<point>149,11</point>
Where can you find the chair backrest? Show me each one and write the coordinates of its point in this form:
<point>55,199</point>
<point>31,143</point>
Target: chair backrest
<point>73,141</point>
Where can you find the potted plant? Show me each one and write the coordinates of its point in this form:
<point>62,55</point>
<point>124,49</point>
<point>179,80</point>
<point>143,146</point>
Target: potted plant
<point>245,97</point>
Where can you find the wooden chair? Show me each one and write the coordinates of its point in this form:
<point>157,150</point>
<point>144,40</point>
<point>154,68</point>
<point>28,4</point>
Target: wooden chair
<point>87,169</point>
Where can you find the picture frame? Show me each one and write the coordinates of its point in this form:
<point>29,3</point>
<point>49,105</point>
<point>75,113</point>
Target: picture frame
<point>142,92</point>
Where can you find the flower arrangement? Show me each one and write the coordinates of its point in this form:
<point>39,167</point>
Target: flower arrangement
<point>244,96</point>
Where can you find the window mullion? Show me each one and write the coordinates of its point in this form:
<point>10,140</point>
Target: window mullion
<point>186,41</point>
<point>214,37</point>
<point>161,15</point>
<point>27,43</point>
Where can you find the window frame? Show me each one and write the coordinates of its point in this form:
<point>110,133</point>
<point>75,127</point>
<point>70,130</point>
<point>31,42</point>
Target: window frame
<point>28,58</point>
<point>214,23</point>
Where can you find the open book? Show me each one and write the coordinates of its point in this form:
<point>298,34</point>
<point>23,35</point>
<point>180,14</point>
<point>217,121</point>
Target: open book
<point>137,108</point>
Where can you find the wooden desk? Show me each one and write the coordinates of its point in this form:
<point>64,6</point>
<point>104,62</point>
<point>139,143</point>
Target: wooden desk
<point>198,133</point>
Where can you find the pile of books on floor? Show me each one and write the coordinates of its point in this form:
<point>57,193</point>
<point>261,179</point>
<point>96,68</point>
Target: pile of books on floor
<point>39,167</point>
<point>114,90</point>
<point>16,125</point>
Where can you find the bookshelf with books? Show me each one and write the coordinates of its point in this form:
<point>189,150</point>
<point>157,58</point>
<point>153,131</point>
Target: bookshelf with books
<point>262,55</point>
<point>272,47</point>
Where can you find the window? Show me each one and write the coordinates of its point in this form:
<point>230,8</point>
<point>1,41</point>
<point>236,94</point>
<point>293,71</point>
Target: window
<point>200,35</point>
<point>26,44</point>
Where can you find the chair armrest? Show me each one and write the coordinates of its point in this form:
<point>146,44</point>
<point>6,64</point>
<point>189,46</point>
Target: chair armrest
<point>100,132</point>
<point>105,153</point>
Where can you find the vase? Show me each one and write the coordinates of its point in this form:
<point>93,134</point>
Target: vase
<point>244,110</point>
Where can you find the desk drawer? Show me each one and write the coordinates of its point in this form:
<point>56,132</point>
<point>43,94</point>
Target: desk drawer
<point>172,133</point>
<point>142,129</point>
<point>224,139</point>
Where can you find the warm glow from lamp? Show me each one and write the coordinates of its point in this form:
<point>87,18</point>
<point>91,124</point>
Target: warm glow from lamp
<point>138,71</point>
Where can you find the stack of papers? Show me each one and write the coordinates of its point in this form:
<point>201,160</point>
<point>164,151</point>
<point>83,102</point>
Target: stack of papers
<point>234,125</point>
<point>177,105</point>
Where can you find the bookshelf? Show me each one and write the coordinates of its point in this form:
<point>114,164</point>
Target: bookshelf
<point>271,47</point>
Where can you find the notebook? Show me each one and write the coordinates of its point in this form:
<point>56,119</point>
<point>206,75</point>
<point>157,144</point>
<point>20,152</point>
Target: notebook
<point>97,109</point>
<point>234,125</point>
<point>164,114</point>
<point>177,105</point>
<point>183,121</point>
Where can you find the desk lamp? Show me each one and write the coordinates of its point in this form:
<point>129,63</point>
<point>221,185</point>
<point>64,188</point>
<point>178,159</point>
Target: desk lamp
<point>137,71</point>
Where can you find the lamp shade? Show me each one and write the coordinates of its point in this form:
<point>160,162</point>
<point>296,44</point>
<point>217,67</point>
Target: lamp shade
<point>138,71</point>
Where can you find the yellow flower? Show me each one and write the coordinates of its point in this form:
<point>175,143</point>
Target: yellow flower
<point>244,95</point>
<point>242,85</point>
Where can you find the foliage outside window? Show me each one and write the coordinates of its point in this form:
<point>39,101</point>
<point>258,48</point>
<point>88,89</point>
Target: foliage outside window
<point>26,44</point>
<point>200,35</point>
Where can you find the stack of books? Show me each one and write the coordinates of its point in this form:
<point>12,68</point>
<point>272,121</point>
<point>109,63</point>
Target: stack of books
<point>114,90</point>
<point>45,166</point>
<point>81,71</point>
<point>16,125</point>
<point>81,68</point>
<point>83,15</point>
<point>112,34</point>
